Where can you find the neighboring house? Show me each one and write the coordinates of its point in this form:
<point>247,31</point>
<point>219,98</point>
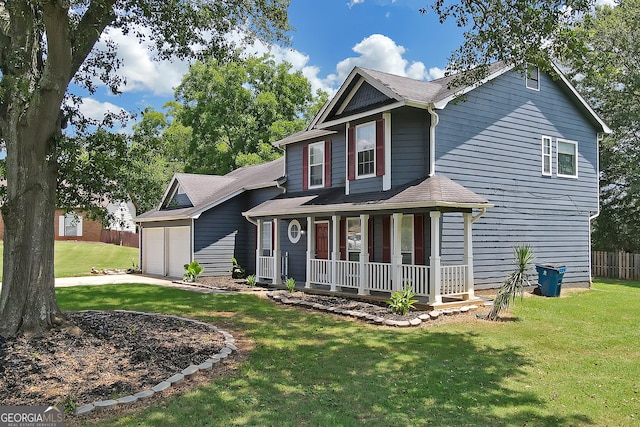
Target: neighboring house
<point>399,181</point>
<point>76,226</point>
<point>200,218</point>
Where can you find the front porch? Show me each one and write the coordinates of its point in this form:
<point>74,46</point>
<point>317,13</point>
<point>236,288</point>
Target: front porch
<point>438,285</point>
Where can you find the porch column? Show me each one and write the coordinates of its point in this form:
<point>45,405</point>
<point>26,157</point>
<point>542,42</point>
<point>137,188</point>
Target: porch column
<point>363,288</point>
<point>277,276</point>
<point>311,249</point>
<point>258,247</point>
<point>396,252</point>
<point>335,251</point>
<point>434,260</point>
<point>468,252</point>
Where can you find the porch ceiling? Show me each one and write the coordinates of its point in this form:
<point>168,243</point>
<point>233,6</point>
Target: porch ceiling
<point>432,192</point>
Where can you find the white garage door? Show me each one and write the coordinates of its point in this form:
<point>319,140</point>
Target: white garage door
<point>153,251</point>
<point>178,250</point>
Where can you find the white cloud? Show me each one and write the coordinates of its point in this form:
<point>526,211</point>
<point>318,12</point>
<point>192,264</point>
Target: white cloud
<point>141,71</point>
<point>96,110</point>
<point>354,2</point>
<point>379,52</point>
<point>607,2</point>
<point>435,73</point>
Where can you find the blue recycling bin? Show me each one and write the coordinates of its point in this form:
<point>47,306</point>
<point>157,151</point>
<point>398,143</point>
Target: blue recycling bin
<point>550,278</point>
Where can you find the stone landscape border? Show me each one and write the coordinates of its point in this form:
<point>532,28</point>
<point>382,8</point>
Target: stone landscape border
<point>228,348</point>
<point>281,297</point>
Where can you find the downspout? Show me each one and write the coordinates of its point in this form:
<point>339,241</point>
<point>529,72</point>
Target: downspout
<point>599,138</point>
<point>432,140</point>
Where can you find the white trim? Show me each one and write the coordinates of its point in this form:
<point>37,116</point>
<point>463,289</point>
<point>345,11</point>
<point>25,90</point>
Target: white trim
<point>443,102</point>
<point>386,178</point>
<point>294,223</point>
<point>321,163</point>
<point>575,144</point>
<point>350,96</point>
<point>549,155</point>
<point>346,156</point>
<point>362,115</point>
<point>356,151</point>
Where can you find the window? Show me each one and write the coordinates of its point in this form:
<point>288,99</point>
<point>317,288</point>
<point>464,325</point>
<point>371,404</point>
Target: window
<point>406,239</point>
<point>294,231</point>
<point>533,77</point>
<point>567,161</point>
<point>266,238</point>
<point>316,164</point>
<point>546,155</point>
<point>366,149</point>
<point>70,225</point>
<point>354,239</point>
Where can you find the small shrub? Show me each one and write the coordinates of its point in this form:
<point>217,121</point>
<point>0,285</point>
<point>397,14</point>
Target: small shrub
<point>402,301</point>
<point>192,271</point>
<point>237,272</point>
<point>251,280</point>
<point>515,283</point>
<point>291,284</point>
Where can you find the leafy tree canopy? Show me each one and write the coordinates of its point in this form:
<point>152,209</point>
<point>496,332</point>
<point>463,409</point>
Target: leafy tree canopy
<point>236,109</point>
<point>606,69</point>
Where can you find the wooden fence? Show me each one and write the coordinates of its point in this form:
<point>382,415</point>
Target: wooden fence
<point>122,238</point>
<point>615,265</point>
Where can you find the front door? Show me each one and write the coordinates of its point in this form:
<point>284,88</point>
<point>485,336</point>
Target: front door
<point>322,240</point>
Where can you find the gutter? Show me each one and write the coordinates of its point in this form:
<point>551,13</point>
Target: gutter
<point>432,140</point>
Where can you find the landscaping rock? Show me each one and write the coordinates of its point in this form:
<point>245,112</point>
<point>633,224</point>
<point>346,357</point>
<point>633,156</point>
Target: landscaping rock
<point>160,387</point>
<point>105,404</point>
<point>434,314</point>
<point>127,399</point>
<point>415,322</point>
<point>190,370</point>
<point>424,317</point>
<point>175,379</point>
<point>84,409</point>
<point>144,394</point>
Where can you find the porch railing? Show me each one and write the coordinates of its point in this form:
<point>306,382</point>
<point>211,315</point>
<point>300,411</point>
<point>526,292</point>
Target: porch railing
<point>417,276</point>
<point>453,279</point>
<point>265,267</point>
<point>379,277</point>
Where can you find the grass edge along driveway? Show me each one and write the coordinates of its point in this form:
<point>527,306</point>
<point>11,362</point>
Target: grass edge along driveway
<point>563,361</point>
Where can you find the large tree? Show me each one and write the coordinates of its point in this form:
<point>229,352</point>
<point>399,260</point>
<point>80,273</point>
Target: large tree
<point>607,71</point>
<point>236,109</point>
<point>514,31</point>
<point>44,45</point>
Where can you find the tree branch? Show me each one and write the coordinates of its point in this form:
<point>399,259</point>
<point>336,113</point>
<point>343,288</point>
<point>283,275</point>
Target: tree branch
<point>97,17</point>
<point>5,23</point>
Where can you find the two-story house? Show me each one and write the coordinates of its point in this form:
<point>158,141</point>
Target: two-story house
<point>399,181</point>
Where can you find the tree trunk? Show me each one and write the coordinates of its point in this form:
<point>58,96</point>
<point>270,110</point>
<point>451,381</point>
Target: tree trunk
<point>27,301</point>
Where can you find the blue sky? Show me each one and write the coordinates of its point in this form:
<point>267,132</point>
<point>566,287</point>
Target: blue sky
<point>330,38</point>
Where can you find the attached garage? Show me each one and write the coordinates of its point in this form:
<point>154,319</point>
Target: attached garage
<point>200,218</point>
<point>165,250</point>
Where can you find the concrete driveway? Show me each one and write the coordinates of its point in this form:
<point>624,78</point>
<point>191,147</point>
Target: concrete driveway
<point>112,279</point>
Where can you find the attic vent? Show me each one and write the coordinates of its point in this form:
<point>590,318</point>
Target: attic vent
<point>533,77</point>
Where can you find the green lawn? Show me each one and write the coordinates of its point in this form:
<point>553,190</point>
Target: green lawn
<point>564,361</point>
<point>76,258</point>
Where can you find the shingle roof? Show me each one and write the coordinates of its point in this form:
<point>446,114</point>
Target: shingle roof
<point>432,192</point>
<point>207,191</point>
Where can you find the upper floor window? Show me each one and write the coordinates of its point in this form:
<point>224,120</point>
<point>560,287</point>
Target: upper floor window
<point>366,149</point>
<point>316,164</point>
<point>533,77</point>
<point>546,155</point>
<point>567,161</point>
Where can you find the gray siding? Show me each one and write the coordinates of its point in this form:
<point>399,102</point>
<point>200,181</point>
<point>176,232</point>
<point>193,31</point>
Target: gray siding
<point>294,162</point>
<point>367,96</point>
<point>294,166</point>
<point>222,233</point>
<point>297,252</point>
<point>491,144</point>
<point>409,145</point>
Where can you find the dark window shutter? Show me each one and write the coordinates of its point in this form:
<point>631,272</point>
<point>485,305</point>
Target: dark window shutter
<point>305,167</point>
<point>380,147</point>
<point>386,238</point>
<point>343,238</point>
<point>370,245</point>
<point>327,163</point>
<point>418,239</point>
<point>351,154</point>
